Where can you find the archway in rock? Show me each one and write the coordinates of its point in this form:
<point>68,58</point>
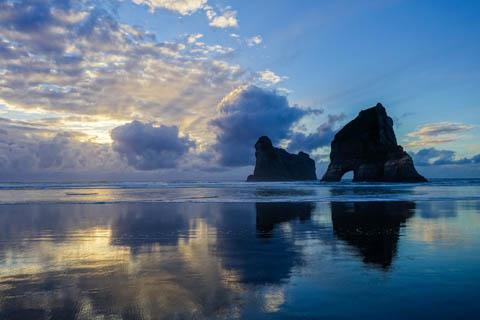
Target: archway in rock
<point>347,176</point>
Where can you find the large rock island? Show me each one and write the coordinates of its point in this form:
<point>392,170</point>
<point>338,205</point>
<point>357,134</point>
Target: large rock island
<point>275,164</point>
<point>367,146</point>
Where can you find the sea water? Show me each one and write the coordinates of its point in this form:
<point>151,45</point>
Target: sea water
<point>226,250</point>
<point>310,191</point>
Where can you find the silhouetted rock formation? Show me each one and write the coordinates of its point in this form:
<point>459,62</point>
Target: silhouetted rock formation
<point>275,164</point>
<point>367,145</point>
<point>373,228</point>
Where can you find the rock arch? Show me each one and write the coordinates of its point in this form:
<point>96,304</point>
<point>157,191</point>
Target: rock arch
<point>367,146</point>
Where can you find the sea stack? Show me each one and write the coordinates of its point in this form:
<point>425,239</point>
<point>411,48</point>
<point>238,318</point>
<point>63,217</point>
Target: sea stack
<point>367,146</point>
<point>275,164</point>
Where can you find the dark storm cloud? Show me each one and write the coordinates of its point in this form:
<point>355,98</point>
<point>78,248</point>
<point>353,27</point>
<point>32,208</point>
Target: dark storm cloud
<point>433,157</point>
<point>248,113</point>
<point>322,137</point>
<point>146,147</point>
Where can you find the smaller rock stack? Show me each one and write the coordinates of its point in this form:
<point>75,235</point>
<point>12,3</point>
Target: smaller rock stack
<point>275,164</point>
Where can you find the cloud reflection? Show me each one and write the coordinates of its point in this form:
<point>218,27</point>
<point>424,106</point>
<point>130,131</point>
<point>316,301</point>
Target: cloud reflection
<point>138,261</point>
<point>191,260</point>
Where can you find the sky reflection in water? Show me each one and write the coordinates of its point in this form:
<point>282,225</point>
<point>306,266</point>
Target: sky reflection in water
<point>239,260</point>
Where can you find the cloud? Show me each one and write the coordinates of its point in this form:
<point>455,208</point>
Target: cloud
<point>183,7</point>
<point>247,113</point>
<point>435,129</point>
<point>269,77</point>
<point>436,133</point>
<point>192,38</point>
<point>26,147</point>
<point>227,19</point>
<point>79,60</point>
<point>254,41</point>
<point>146,147</point>
<point>436,157</point>
<point>322,137</point>
<point>42,149</point>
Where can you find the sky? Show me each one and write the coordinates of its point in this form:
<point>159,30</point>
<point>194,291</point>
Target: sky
<point>174,90</point>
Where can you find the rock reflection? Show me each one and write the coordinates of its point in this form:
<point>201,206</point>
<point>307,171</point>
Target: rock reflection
<point>236,260</point>
<point>265,258</point>
<point>174,260</point>
<point>372,228</point>
<point>271,214</point>
<point>140,261</point>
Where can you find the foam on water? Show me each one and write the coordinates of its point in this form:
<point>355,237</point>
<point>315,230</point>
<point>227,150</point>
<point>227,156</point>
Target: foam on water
<point>232,191</point>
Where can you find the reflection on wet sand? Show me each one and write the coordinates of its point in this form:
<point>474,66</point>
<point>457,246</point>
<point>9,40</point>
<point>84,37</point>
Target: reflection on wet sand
<point>257,259</point>
<point>372,228</point>
<point>141,261</point>
<point>203,260</point>
<point>271,214</point>
<point>127,261</point>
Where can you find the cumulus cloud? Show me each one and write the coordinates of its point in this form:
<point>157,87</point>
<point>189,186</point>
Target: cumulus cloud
<point>436,133</point>
<point>226,19</point>
<point>146,147</point>
<point>435,157</point>
<point>254,41</point>
<point>247,113</point>
<point>183,7</point>
<point>269,77</point>
<point>322,137</point>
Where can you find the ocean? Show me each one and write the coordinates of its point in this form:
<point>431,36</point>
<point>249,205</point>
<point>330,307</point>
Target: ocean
<point>236,250</point>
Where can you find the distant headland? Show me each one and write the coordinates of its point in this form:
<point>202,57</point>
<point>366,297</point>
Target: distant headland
<point>366,145</point>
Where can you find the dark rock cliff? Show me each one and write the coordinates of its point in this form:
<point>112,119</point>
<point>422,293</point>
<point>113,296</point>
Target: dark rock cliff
<point>275,164</point>
<point>368,147</point>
